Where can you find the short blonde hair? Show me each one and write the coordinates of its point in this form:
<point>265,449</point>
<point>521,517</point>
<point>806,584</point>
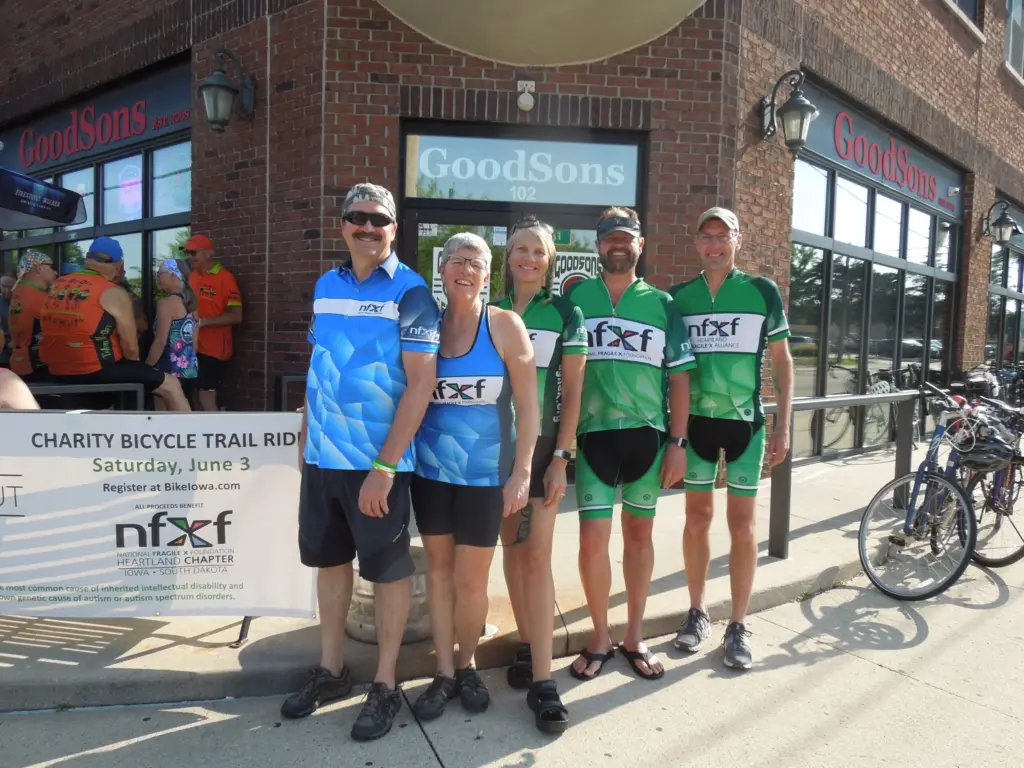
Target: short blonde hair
<point>467,240</point>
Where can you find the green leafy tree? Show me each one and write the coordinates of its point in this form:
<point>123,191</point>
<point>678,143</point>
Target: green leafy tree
<point>426,246</point>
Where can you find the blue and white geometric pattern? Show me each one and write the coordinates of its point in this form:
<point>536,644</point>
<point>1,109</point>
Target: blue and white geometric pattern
<point>356,377</point>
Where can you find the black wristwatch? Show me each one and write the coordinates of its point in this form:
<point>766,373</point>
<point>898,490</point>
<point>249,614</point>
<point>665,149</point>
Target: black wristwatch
<point>682,442</point>
<point>562,454</point>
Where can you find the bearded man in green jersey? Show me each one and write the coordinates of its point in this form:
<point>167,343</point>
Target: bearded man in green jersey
<point>638,360</point>
<point>732,319</point>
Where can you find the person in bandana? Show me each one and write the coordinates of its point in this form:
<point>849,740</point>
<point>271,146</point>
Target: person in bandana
<point>35,276</point>
<point>176,337</point>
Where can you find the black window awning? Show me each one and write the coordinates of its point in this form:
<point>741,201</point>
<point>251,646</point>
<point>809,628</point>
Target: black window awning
<point>27,203</point>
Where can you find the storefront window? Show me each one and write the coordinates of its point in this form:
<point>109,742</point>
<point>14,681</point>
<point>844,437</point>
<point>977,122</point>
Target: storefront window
<point>122,190</point>
<point>82,182</point>
<point>167,245</point>
<point>1013,272</point>
<point>1009,331</point>
<point>919,237</point>
<point>995,317</point>
<point>805,302</point>
<point>888,224</point>
<point>852,212</point>
<point>172,180</point>
<point>942,313</point>
<point>997,270</point>
<point>883,346</point>
<point>915,311</point>
<point>810,196</point>
<point>849,279</point>
<point>944,246</point>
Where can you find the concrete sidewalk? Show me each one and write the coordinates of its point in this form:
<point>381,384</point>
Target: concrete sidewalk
<point>49,662</point>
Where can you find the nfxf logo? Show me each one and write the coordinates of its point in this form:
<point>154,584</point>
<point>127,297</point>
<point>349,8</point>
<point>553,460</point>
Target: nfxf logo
<point>616,339</point>
<point>188,528</point>
<point>625,338</point>
<point>371,309</point>
<point>714,327</point>
<point>733,332</point>
<point>467,390</point>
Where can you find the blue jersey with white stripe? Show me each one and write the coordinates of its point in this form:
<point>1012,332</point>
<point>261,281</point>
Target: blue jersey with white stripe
<point>356,377</point>
<point>467,436</point>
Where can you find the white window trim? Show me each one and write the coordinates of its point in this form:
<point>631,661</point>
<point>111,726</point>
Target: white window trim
<point>965,20</point>
<point>1013,73</point>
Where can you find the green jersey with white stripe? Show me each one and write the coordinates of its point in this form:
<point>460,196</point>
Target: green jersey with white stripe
<point>632,348</point>
<point>729,334</point>
<point>556,329</point>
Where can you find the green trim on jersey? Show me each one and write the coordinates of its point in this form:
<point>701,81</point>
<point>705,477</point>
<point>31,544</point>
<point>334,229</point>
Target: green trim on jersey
<point>633,347</point>
<point>556,328</point>
<point>729,335</point>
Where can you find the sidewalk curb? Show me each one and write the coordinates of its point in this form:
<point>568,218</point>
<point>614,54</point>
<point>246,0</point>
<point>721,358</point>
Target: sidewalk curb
<point>285,669</point>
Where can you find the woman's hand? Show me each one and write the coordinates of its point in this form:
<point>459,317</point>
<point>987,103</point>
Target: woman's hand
<point>516,492</point>
<point>555,483</point>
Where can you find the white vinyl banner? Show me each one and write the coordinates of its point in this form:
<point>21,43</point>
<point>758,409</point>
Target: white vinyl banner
<point>110,515</point>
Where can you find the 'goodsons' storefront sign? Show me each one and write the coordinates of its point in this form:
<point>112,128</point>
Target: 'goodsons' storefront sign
<point>462,168</point>
<point>847,137</point>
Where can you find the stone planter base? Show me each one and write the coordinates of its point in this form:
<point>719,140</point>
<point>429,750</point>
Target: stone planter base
<point>361,621</point>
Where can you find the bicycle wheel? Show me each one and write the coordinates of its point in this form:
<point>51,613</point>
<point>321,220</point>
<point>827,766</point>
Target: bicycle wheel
<point>1000,537</point>
<point>837,422</point>
<point>934,555</point>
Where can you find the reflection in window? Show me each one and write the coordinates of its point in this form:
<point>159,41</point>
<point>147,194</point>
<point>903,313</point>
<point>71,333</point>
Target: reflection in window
<point>810,194</point>
<point>1009,331</point>
<point>172,180</point>
<point>851,215</point>
<point>122,190</point>
<point>915,308</point>
<point>997,270</point>
<point>919,237</point>
<point>995,317</point>
<point>41,230</point>
<point>1013,272</point>
<point>944,246</point>
<point>8,262</point>
<point>82,182</point>
<point>805,297</point>
<point>167,245</point>
<point>942,310</point>
<point>883,346</point>
<point>844,343</point>
<point>888,223</point>
<point>73,254</point>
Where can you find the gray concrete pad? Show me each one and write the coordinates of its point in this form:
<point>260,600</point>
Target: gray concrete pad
<point>246,733</point>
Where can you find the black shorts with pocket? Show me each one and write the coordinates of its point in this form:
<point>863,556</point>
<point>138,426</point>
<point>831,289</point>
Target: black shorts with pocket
<point>470,513</point>
<point>121,372</point>
<point>332,530</point>
<point>211,372</point>
<point>543,452</point>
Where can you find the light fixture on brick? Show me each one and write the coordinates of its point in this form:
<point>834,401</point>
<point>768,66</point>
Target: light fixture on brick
<point>1004,228</point>
<point>796,114</point>
<point>224,96</point>
<point>526,89</point>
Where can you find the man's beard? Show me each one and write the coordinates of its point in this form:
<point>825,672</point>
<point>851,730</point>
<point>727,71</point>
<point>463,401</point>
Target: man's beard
<point>616,261</point>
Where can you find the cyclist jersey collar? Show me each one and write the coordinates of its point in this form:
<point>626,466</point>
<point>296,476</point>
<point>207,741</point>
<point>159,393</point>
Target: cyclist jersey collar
<point>388,266</point>
<point>542,295</point>
<point>629,288</point>
<point>30,284</point>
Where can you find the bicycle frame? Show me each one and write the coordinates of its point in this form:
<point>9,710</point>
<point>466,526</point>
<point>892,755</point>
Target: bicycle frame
<point>912,523</point>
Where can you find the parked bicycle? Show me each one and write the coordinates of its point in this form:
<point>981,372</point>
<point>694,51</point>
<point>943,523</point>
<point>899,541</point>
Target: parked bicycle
<point>878,418</point>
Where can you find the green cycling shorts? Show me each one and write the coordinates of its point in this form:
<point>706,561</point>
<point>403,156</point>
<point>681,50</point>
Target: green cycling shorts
<point>608,458</point>
<point>742,442</point>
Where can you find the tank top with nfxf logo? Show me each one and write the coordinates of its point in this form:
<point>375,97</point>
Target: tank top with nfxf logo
<point>78,335</point>
<point>467,435</point>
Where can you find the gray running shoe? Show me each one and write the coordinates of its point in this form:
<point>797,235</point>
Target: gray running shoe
<point>737,650</point>
<point>695,629</point>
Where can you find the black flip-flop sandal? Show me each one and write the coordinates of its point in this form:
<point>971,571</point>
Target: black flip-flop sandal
<point>634,656</point>
<point>520,673</point>
<point>602,658</point>
<point>550,715</point>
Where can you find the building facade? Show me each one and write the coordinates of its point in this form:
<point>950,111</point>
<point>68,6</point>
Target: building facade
<point>874,231</point>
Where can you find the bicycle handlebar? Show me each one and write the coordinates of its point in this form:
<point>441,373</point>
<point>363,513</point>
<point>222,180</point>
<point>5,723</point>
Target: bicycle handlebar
<point>949,400</point>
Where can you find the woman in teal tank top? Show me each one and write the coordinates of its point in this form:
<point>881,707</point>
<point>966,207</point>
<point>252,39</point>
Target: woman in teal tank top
<point>473,454</point>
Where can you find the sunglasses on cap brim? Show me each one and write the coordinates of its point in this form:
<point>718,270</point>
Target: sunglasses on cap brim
<point>359,219</point>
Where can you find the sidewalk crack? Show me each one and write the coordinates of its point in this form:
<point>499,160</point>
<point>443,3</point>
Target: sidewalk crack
<point>423,730</point>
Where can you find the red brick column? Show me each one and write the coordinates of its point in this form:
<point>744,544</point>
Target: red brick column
<point>970,319</point>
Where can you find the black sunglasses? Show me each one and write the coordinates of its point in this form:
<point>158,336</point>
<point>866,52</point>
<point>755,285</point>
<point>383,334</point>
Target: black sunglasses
<point>529,222</point>
<point>523,531</point>
<point>359,219</point>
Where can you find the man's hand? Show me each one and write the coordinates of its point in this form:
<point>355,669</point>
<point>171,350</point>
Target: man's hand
<point>516,492</point>
<point>554,482</point>
<point>778,446</point>
<point>673,465</point>
<point>373,496</point>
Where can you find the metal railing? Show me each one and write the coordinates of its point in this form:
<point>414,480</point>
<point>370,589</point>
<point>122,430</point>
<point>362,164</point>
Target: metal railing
<point>124,390</point>
<point>782,473</point>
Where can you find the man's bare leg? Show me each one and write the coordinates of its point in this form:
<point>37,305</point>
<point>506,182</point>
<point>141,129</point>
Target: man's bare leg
<point>742,518</point>
<point>637,567</point>
<point>596,574</point>
<point>391,612</point>
<point>697,544</point>
<point>172,395</point>
<point>333,596</point>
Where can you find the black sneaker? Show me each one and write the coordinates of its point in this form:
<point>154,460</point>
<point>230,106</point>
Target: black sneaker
<point>321,688</point>
<point>378,712</point>
<point>737,650</point>
<point>472,691</point>
<point>695,629</point>
<point>430,704</point>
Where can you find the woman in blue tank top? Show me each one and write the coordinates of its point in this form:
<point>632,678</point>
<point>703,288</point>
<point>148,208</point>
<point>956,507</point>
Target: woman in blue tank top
<point>474,451</point>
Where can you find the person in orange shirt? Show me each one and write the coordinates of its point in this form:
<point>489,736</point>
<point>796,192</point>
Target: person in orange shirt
<point>89,334</point>
<point>220,308</point>
<point>35,276</point>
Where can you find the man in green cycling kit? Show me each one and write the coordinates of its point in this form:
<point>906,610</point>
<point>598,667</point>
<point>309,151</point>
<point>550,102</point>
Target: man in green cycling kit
<point>732,318</point>
<point>638,360</point>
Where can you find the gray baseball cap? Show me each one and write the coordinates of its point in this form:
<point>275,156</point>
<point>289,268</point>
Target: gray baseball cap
<point>724,215</point>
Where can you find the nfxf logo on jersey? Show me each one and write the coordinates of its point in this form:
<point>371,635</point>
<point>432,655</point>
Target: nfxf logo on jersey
<point>725,332</point>
<point>468,390</point>
<point>610,338</point>
<point>189,531</point>
<point>544,343</point>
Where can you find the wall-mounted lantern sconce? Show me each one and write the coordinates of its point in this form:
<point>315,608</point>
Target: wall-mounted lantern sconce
<point>943,234</point>
<point>795,115</point>
<point>1004,228</point>
<point>224,97</point>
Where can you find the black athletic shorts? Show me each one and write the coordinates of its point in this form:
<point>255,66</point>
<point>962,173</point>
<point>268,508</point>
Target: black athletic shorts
<point>121,372</point>
<point>211,372</point>
<point>470,513</point>
<point>543,452</point>
<point>332,530</point>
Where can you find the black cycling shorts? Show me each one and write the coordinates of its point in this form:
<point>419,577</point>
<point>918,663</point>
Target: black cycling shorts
<point>121,372</point>
<point>543,453</point>
<point>470,513</point>
<point>211,372</point>
<point>332,530</point>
